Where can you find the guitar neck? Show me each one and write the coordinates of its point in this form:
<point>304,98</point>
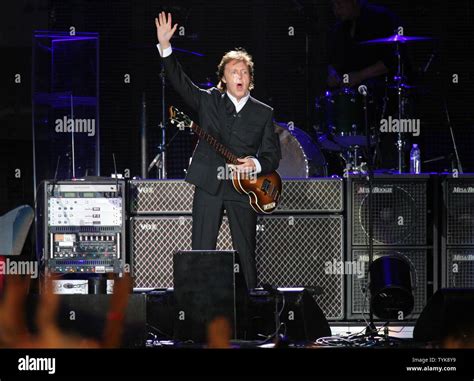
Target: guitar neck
<point>220,148</point>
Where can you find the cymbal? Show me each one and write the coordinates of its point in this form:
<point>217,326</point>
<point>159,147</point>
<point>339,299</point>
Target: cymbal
<point>395,39</point>
<point>403,86</point>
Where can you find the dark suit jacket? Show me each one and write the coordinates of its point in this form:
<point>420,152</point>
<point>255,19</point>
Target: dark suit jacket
<point>247,133</point>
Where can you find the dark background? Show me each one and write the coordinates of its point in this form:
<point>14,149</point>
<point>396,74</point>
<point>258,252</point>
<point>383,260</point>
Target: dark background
<point>127,45</point>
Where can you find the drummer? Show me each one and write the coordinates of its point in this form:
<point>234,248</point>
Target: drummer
<point>351,64</point>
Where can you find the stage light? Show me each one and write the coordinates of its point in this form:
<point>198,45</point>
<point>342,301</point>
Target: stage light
<point>390,287</point>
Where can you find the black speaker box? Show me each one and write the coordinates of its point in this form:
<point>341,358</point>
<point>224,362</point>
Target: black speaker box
<point>448,314</point>
<point>399,210</point>
<point>403,214</point>
<point>299,316</point>
<point>205,287</point>
<point>457,251</point>
<point>459,210</point>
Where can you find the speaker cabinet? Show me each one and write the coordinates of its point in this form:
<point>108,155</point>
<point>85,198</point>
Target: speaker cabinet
<point>170,197</point>
<point>358,287</point>
<point>459,269</point>
<point>164,197</point>
<point>294,251</point>
<point>399,211</point>
<point>457,254</point>
<point>154,240</point>
<point>459,212</point>
<point>403,212</point>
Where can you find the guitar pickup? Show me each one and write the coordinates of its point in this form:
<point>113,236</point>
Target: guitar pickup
<point>275,194</point>
<point>265,185</point>
<point>271,205</point>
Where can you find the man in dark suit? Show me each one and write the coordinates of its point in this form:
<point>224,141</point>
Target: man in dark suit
<point>242,124</point>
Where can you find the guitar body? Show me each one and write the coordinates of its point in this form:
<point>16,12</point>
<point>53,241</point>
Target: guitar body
<point>264,191</point>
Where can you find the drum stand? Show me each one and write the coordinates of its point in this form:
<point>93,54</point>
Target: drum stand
<point>399,81</point>
<point>351,158</point>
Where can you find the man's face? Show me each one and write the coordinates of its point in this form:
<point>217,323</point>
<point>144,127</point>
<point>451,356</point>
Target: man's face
<point>237,78</point>
<point>345,9</point>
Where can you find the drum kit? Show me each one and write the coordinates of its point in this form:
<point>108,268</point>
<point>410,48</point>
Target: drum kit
<point>300,156</point>
<point>347,122</point>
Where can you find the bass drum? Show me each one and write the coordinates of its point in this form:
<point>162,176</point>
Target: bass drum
<point>340,116</point>
<point>301,158</point>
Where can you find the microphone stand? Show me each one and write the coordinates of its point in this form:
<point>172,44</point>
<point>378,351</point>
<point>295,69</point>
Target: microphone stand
<point>143,138</point>
<point>273,291</point>
<point>371,330</point>
<point>460,169</point>
<point>308,23</point>
<point>399,79</point>
<point>73,155</point>
<point>158,160</point>
<point>161,156</point>
<point>162,174</point>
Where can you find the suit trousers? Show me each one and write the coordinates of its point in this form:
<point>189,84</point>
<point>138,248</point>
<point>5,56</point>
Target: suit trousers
<point>208,211</point>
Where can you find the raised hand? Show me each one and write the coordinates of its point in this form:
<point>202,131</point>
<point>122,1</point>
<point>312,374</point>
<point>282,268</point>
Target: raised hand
<point>164,31</point>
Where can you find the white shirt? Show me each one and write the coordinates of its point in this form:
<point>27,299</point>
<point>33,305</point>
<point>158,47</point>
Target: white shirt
<point>239,104</point>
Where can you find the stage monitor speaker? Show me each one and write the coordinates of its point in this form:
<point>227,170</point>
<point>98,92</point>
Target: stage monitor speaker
<point>300,316</point>
<point>90,316</point>
<point>204,289</point>
<point>448,314</point>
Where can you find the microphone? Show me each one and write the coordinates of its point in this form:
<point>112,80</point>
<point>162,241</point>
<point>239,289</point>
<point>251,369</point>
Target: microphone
<point>362,90</point>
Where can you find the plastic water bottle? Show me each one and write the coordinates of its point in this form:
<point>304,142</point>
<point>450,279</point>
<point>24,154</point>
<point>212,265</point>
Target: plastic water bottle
<point>415,160</point>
